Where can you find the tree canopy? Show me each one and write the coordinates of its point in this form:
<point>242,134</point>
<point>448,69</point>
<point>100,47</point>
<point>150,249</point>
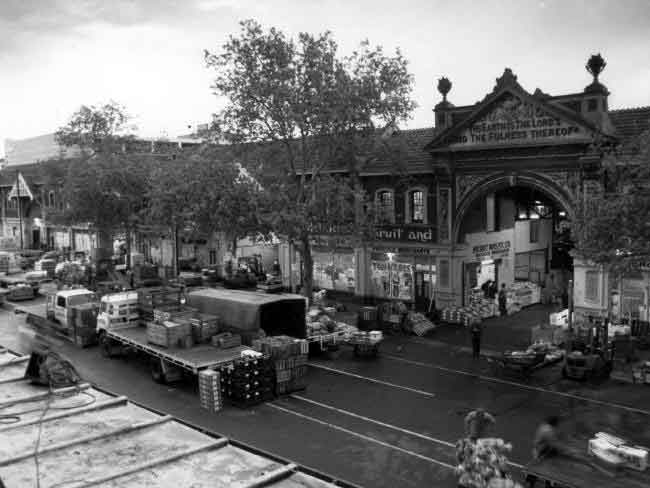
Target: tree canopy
<point>296,111</point>
<point>613,228</point>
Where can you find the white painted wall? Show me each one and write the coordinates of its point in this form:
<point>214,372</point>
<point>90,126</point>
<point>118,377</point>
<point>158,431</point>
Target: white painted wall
<point>522,235</point>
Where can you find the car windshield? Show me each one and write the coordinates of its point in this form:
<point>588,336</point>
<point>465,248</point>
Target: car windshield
<point>80,299</point>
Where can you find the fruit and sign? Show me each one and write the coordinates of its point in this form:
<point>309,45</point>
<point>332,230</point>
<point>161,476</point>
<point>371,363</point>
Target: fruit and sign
<point>405,234</point>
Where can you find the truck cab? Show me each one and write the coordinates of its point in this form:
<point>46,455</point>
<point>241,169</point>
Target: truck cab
<point>118,310</point>
<point>59,304</point>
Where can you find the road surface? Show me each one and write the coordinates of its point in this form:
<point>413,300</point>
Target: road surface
<point>383,423</point>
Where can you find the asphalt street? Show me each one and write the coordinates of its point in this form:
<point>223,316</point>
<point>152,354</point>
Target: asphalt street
<point>389,422</point>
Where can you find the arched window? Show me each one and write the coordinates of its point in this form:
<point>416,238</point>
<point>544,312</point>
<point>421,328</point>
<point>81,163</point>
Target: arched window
<point>51,201</point>
<point>385,204</point>
<point>416,206</point>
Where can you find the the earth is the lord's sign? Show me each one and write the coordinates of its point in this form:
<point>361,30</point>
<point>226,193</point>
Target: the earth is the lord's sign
<point>513,121</point>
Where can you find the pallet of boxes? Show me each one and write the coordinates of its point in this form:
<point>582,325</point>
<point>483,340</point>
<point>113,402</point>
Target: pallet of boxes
<point>248,381</point>
<point>289,359</point>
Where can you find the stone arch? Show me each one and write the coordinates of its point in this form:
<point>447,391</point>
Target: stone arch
<point>498,181</point>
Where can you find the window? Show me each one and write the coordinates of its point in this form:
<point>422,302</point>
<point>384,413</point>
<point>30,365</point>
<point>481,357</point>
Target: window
<point>212,257</point>
<point>51,201</point>
<point>534,231</point>
<point>60,301</point>
<point>14,231</point>
<point>591,286</point>
<point>416,207</point>
<point>385,207</point>
<point>13,203</point>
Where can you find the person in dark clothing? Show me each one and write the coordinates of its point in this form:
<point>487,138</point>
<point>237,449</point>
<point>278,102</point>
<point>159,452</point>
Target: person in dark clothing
<point>485,287</point>
<point>503,299</point>
<point>492,291</point>
<point>475,331</point>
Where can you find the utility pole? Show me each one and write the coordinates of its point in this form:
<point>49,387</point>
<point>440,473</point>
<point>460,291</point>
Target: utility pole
<point>20,210</point>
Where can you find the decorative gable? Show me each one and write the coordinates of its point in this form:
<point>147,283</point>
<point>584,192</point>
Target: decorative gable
<point>513,120</point>
<point>510,116</point>
<point>21,189</point>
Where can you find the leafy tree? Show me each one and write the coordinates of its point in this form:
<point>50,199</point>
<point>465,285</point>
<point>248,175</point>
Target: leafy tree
<point>612,228</point>
<point>205,192</point>
<point>296,109</point>
<point>104,185</point>
<point>96,127</point>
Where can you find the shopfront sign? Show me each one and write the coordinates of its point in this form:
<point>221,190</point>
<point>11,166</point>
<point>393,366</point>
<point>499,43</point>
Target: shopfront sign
<point>332,242</point>
<point>423,235</point>
<point>493,250</point>
<point>418,251</point>
<point>514,121</point>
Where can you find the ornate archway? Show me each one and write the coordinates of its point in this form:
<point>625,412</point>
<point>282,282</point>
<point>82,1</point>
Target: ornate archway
<point>497,181</point>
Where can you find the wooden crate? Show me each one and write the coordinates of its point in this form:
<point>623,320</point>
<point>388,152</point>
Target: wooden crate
<point>168,334</point>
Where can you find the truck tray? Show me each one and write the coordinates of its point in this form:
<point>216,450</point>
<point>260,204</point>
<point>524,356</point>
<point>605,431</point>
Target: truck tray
<point>192,359</point>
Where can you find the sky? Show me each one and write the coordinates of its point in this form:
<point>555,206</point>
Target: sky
<point>56,55</point>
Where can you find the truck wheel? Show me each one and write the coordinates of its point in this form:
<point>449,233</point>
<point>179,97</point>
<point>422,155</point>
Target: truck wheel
<point>157,373</point>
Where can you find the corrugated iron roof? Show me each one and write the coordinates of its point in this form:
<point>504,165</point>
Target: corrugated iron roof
<point>90,438</point>
<point>630,122</point>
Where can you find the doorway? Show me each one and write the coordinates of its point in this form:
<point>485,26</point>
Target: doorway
<point>36,238</point>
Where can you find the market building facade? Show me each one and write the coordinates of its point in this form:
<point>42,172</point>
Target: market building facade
<point>488,195</point>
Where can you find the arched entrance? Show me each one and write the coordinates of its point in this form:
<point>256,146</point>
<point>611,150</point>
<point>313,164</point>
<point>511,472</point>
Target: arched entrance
<point>513,230</point>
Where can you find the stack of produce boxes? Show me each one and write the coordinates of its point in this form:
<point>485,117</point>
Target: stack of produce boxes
<point>460,315</point>
<point>210,390</point>
<point>248,381</point>
<point>289,358</point>
<point>204,326</point>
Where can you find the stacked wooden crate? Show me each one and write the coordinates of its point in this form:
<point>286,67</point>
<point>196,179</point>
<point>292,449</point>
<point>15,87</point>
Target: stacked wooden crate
<point>158,297</point>
<point>204,326</point>
<point>47,265</point>
<point>248,381</point>
<point>169,334</point>
<point>226,340</point>
<point>210,390</point>
<point>289,358</point>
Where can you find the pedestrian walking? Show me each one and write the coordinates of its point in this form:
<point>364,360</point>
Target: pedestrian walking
<point>503,300</point>
<point>475,331</point>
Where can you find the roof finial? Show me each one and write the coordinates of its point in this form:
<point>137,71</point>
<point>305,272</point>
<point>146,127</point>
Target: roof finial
<point>444,87</point>
<point>596,65</point>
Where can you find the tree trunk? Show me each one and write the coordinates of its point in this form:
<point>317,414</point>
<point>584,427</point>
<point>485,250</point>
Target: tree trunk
<point>128,249</point>
<point>308,272</point>
<point>234,248</point>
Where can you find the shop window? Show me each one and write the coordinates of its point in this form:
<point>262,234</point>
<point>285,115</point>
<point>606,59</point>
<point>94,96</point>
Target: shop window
<point>416,207</point>
<point>385,207</point>
<point>334,271</point>
<point>534,231</point>
<point>591,285</point>
<point>212,257</point>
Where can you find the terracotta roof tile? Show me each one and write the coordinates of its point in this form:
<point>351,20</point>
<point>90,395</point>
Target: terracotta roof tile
<point>630,122</point>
